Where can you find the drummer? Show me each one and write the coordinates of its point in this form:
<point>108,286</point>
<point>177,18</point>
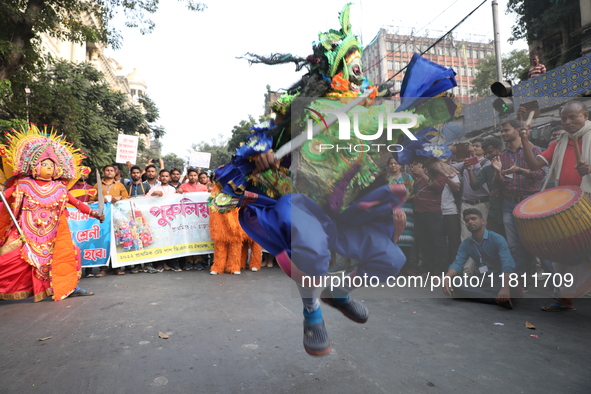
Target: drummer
<point>566,170</point>
<point>517,182</point>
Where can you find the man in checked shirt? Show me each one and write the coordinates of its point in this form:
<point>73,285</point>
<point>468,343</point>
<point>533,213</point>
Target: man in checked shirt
<point>517,182</point>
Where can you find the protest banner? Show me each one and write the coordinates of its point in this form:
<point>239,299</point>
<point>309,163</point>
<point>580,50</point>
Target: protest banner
<point>200,159</point>
<point>91,236</point>
<point>126,148</point>
<point>148,229</point>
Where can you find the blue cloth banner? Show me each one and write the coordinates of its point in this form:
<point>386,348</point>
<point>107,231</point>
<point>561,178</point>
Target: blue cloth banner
<point>91,236</point>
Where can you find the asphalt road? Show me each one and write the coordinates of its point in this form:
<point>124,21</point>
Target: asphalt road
<point>230,334</point>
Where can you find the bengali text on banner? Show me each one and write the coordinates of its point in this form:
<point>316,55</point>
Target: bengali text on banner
<point>150,229</point>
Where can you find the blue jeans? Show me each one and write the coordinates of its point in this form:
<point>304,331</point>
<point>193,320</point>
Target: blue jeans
<point>518,251</point>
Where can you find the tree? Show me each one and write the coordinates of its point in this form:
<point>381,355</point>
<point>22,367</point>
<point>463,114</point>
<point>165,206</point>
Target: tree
<point>76,100</point>
<point>171,161</point>
<point>515,67</point>
<point>21,22</point>
<point>543,18</point>
<point>240,132</point>
<point>220,154</point>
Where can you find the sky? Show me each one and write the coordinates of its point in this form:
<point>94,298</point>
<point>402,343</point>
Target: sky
<point>202,90</point>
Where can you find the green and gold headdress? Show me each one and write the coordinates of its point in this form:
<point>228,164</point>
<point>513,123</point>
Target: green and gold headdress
<point>338,43</point>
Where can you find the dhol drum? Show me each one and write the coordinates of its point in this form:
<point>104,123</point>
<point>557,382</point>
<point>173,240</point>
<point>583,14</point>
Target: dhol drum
<point>555,224</point>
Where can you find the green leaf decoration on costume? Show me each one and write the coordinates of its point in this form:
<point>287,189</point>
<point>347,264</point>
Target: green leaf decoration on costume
<point>329,39</point>
<point>341,51</point>
<point>344,18</point>
<point>343,40</point>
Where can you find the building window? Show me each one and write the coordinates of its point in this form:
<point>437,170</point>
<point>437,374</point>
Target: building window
<point>470,73</point>
<point>403,47</point>
<point>133,92</point>
<point>397,65</point>
<point>390,45</point>
<point>390,65</point>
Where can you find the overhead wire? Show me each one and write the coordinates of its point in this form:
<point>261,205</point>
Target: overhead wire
<point>411,37</point>
<point>441,38</point>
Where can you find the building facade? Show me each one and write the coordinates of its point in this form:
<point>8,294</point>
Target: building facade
<point>393,47</point>
<point>132,85</point>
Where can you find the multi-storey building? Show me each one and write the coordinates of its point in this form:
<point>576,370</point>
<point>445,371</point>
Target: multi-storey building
<point>393,47</point>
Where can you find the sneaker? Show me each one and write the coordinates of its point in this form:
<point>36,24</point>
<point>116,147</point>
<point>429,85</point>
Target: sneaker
<point>253,269</point>
<point>212,273</point>
<point>316,340</point>
<point>176,268</point>
<point>236,272</point>
<point>135,270</point>
<point>167,267</point>
<point>188,267</point>
<point>199,267</point>
<point>351,308</point>
<point>152,270</point>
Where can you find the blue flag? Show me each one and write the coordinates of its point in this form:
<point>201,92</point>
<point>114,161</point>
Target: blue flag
<point>424,78</point>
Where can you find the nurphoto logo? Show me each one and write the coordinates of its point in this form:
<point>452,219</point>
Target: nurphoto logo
<point>394,121</point>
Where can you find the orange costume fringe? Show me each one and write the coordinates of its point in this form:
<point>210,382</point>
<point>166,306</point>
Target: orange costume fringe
<point>230,244</point>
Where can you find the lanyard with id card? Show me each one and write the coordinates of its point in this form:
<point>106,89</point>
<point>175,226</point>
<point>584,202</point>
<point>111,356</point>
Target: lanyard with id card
<point>482,268</point>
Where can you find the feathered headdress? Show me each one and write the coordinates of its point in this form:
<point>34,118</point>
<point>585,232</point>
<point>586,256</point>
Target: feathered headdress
<point>28,147</point>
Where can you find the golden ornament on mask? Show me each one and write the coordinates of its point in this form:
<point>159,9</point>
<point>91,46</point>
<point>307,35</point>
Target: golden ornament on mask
<point>353,56</point>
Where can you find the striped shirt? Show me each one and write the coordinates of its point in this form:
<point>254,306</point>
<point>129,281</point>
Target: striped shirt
<point>519,186</point>
<point>534,71</point>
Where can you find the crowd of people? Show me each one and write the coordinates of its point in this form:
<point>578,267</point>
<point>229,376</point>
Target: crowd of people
<point>146,183</point>
<point>448,219</point>
<point>453,217</point>
<point>458,216</point>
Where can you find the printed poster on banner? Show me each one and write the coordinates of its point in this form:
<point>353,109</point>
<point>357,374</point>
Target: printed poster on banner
<point>148,229</point>
<point>200,159</point>
<point>126,148</point>
<point>91,236</point>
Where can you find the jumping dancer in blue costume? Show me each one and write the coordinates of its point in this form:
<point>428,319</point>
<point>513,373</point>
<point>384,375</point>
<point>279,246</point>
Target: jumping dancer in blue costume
<point>317,205</point>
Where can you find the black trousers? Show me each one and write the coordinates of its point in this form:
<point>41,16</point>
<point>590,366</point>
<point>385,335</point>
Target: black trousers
<point>430,236</point>
<point>452,231</point>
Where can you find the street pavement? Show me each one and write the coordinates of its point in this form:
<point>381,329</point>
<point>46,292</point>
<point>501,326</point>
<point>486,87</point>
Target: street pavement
<point>230,334</point>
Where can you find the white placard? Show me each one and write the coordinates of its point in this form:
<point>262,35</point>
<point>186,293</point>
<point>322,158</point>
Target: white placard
<point>200,159</point>
<point>127,148</point>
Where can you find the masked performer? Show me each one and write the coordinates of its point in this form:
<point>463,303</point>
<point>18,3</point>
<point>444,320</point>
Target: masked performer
<point>38,258</point>
<point>334,212</point>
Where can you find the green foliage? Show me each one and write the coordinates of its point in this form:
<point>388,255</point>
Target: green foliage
<point>541,19</point>
<point>242,130</point>
<point>76,100</point>
<point>515,67</point>
<point>171,161</point>
<point>23,21</point>
<point>218,148</point>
